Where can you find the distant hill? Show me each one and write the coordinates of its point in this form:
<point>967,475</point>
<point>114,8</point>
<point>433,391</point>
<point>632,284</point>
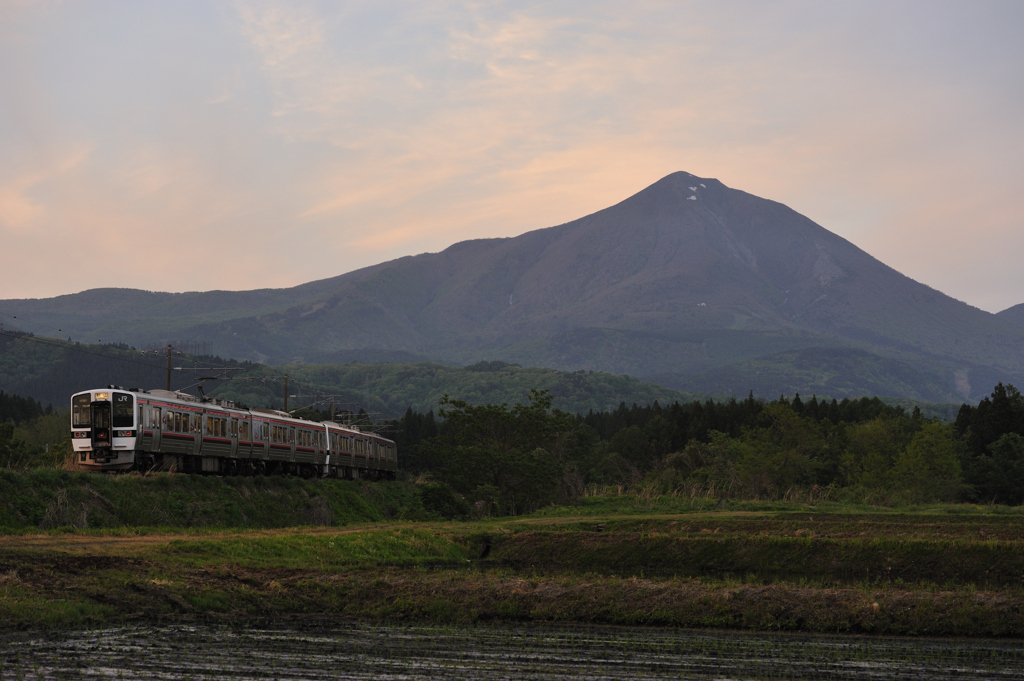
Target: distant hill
<point>689,280</point>
<point>50,371</point>
<point>1013,314</point>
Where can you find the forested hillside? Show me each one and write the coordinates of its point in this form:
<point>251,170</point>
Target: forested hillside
<point>51,370</point>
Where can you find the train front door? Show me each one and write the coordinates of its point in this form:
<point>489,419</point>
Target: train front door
<point>101,428</point>
<point>234,438</point>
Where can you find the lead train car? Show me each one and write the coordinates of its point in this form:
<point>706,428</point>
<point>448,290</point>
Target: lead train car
<point>113,429</point>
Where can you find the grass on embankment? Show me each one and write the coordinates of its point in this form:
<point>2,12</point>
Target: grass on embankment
<point>44,499</point>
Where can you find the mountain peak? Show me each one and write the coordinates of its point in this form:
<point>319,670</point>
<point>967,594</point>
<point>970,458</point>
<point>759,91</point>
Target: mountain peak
<point>687,277</point>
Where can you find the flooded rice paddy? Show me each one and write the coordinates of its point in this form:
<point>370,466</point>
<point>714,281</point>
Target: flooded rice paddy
<point>358,651</point>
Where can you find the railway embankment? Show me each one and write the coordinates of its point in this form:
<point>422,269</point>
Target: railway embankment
<point>49,499</point>
<point>942,570</point>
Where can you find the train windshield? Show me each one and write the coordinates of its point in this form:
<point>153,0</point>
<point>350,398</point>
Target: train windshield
<point>124,410</point>
<point>80,411</point>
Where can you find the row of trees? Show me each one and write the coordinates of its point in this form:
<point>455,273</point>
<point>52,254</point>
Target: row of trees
<point>514,459</point>
<point>520,457</point>
<point>15,409</point>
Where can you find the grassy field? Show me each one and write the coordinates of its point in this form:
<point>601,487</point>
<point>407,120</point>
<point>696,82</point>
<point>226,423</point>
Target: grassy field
<point>374,555</point>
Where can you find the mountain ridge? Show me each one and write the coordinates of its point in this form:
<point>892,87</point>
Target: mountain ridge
<point>686,277</point>
<point>1014,315</point>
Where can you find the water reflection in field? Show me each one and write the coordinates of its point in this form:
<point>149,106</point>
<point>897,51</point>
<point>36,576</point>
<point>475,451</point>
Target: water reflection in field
<point>356,651</point>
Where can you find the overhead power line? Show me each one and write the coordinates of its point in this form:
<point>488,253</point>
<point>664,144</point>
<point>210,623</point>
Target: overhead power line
<point>68,345</point>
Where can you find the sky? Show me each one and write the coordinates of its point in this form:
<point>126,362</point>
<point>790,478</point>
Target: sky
<point>192,146</point>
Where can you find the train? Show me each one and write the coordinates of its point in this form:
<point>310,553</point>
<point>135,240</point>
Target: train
<point>118,429</point>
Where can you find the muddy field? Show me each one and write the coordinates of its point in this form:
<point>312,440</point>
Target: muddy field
<point>358,651</point>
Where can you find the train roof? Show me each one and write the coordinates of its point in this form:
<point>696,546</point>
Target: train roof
<point>193,401</point>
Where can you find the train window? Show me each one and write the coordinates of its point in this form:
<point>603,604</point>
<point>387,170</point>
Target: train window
<point>101,417</point>
<point>291,434</point>
<point>124,410</point>
<point>177,422</point>
<point>154,416</point>
<point>245,430</point>
<point>80,412</point>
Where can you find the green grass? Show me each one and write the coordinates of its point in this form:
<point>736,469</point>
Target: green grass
<point>240,549</point>
<point>393,547</point>
<point>47,499</point>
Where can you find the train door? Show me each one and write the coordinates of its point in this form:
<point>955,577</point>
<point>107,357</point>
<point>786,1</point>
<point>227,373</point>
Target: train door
<point>291,440</point>
<point>244,438</point>
<point>234,438</point>
<point>196,428</point>
<point>156,421</point>
<point>326,435</point>
<point>101,427</point>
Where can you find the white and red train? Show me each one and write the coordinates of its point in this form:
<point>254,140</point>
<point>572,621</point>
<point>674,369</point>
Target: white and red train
<point>114,429</point>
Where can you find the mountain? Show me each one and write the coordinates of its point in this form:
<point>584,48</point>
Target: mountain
<point>1013,314</point>
<point>688,280</point>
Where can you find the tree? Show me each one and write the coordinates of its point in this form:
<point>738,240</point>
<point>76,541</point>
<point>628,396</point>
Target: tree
<point>998,476</point>
<point>929,468</point>
<point>781,452</point>
<point>14,453</point>
<point>871,451</point>
<point>518,451</point>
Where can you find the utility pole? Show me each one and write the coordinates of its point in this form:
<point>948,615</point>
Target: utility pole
<point>285,393</point>
<point>168,367</point>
